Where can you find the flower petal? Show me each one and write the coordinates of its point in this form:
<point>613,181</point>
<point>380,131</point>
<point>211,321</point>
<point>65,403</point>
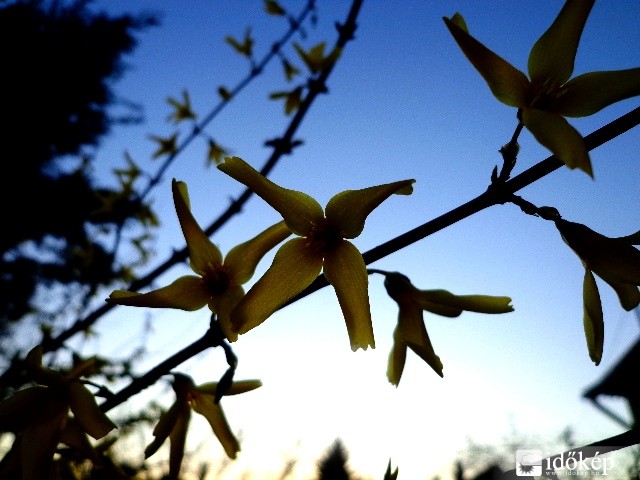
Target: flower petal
<point>552,56</point>
<point>163,428</point>
<point>555,133</point>
<point>204,404</point>
<point>591,92</point>
<point>628,294</point>
<point>202,253</point>
<point>87,413</point>
<point>237,387</point>
<point>348,210</point>
<point>612,259</point>
<point>186,293</point>
<point>74,436</point>
<point>593,321</point>
<point>397,359</point>
<point>293,269</point>
<point>471,303</point>
<point>38,444</point>
<point>299,210</point>
<point>507,83</point>
<point>17,411</point>
<point>223,305</point>
<point>178,439</point>
<point>413,332</point>
<point>243,259</point>
<point>344,268</point>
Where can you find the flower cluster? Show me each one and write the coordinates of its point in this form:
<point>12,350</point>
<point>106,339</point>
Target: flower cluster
<point>40,417</point>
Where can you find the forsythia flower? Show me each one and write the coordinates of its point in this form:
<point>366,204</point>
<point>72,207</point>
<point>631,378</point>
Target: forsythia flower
<point>166,145</point>
<point>183,110</point>
<point>217,283</point>
<point>321,246</point>
<point>411,331</point>
<point>615,261</point>
<point>548,94</point>
<point>39,416</point>
<point>173,424</point>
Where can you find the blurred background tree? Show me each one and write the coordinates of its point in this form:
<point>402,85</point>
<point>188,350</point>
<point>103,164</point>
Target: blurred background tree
<point>58,103</point>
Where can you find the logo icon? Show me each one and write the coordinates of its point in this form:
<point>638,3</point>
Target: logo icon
<point>528,463</point>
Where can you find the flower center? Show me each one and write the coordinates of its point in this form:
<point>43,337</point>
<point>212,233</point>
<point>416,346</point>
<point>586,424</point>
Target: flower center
<point>543,96</point>
<point>217,280</point>
<point>325,236</point>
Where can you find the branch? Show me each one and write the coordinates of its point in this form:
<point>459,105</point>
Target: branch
<point>497,194</point>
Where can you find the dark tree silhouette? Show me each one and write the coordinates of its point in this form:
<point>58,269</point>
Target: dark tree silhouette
<point>333,466</point>
<point>59,62</point>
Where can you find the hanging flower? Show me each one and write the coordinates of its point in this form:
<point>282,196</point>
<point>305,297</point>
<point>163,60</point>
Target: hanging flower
<point>411,331</point>
<point>615,261</point>
<point>174,423</point>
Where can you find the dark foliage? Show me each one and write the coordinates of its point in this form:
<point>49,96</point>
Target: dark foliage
<point>59,62</point>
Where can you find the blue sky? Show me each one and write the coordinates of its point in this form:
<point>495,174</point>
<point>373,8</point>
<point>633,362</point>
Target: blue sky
<point>403,103</point>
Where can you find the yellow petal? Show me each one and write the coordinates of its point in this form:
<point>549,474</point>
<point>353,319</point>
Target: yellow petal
<point>75,437</point>
<point>243,259</point>
<point>299,210</point>
<point>204,404</point>
<point>344,268</point>
<point>470,303</point>
<point>87,413</point>
<point>589,93</point>
<point>186,293</point>
<point>412,331</point>
<point>397,359</point>
<point>294,267</point>
<point>38,444</point>
<point>552,56</point>
<point>507,83</point>
<point>163,428</point>
<point>349,210</point>
<point>40,374</point>
<point>555,133</point>
<point>628,294</point>
<point>237,387</point>
<point>17,411</point>
<point>202,253</point>
<point>223,305</point>
<point>177,439</point>
<point>612,259</point>
<point>593,321</point>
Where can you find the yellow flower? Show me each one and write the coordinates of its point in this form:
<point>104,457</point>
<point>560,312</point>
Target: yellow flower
<point>321,246</point>
<point>314,58</point>
<point>39,416</point>
<point>173,424</point>
<point>548,94</point>
<point>615,261</point>
<point>217,283</point>
<point>411,331</point>
<point>183,110</point>
<point>166,145</point>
